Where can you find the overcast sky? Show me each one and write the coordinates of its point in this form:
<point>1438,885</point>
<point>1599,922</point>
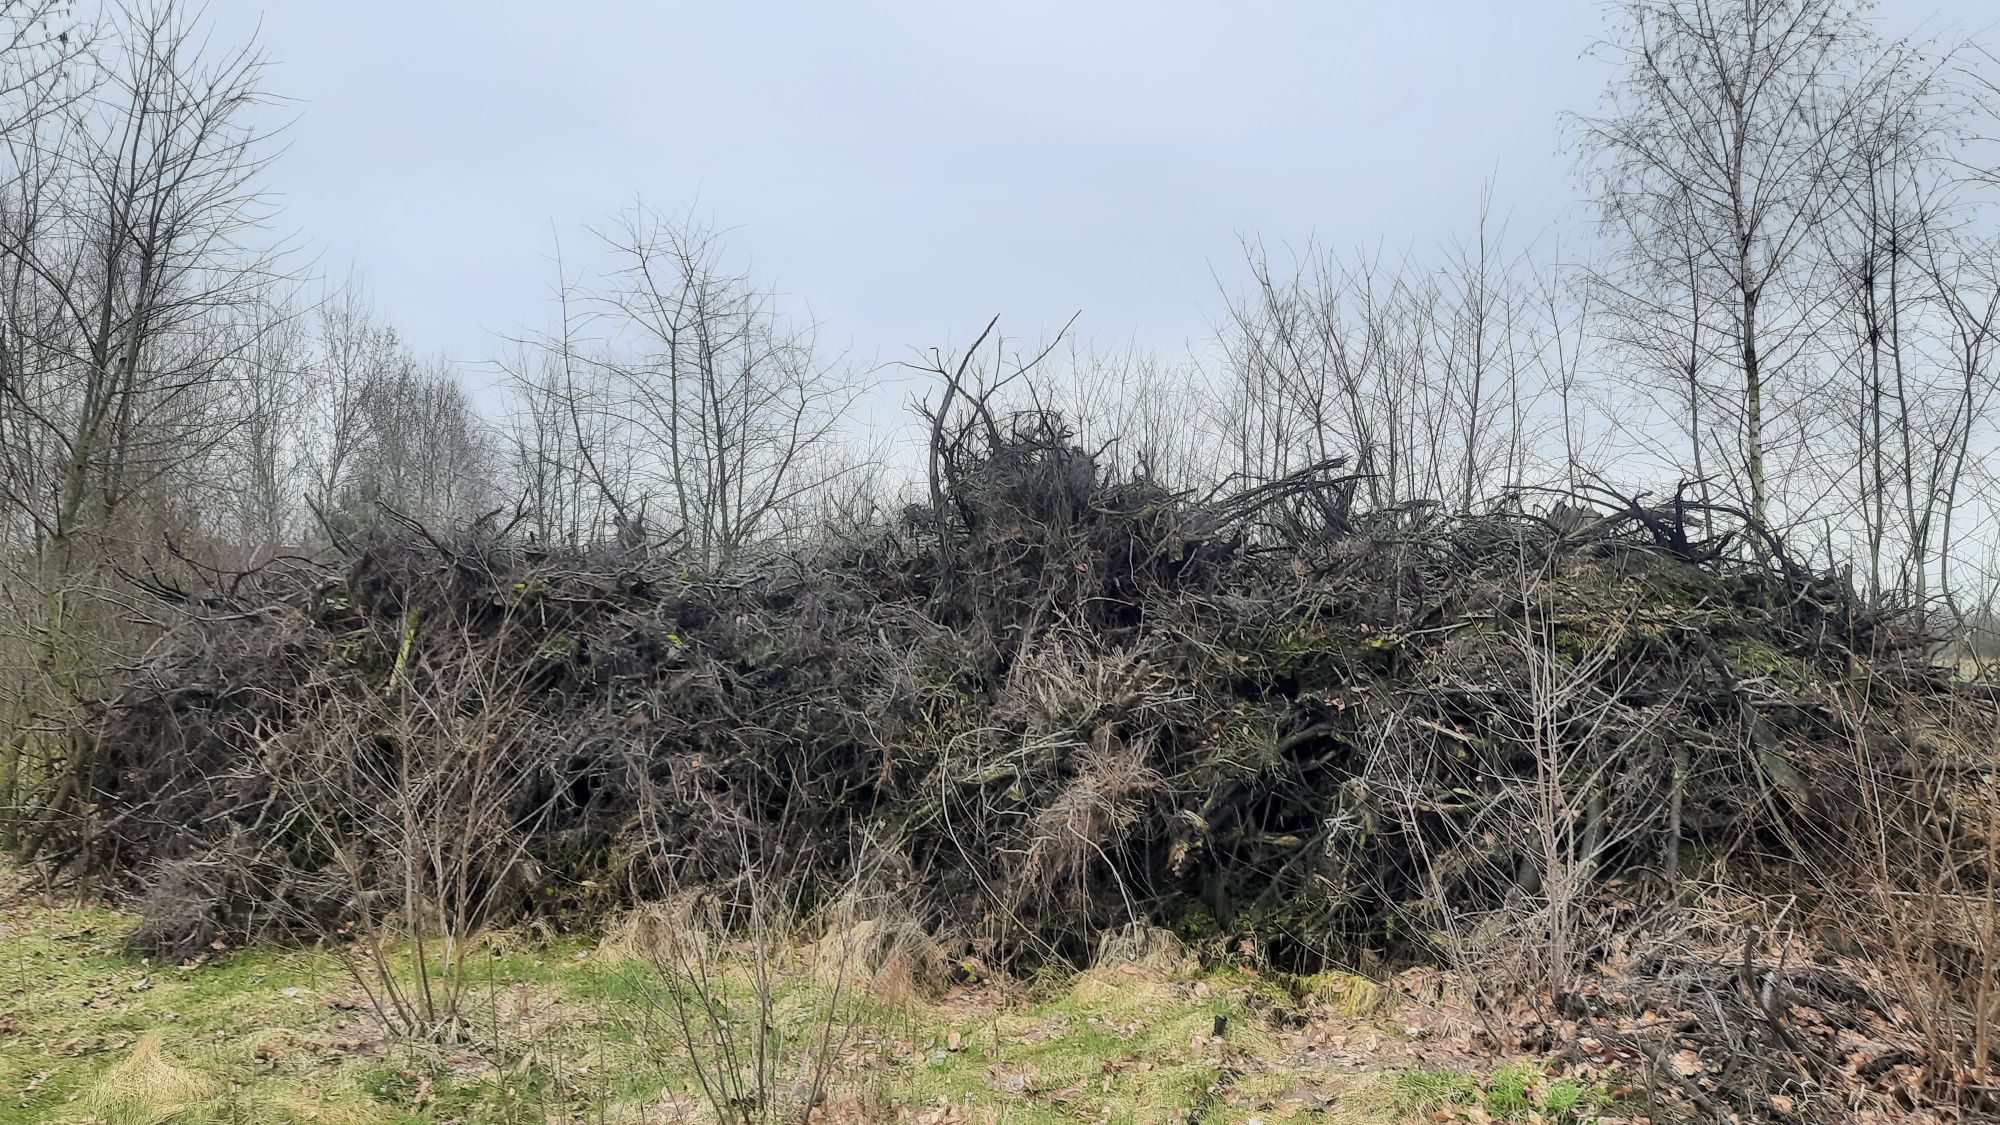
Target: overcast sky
<point>908,169</point>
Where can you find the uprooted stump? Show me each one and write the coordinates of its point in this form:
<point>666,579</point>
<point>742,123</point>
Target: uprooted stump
<point>1057,703</point>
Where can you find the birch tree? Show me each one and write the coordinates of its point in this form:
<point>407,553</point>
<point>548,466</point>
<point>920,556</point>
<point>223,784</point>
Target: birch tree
<point>1712,163</point>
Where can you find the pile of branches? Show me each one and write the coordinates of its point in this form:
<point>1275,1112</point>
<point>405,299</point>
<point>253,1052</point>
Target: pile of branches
<point>1056,699</point>
<point>1772,1030</point>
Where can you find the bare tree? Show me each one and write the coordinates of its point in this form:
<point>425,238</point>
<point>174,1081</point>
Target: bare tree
<point>570,447</point>
<point>1966,274</point>
<point>42,47</point>
<point>546,465</point>
<point>251,493</point>
<point>429,454</point>
<point>1892,200</point>
<point>352,351</point>
<point>129,241</point>
<point>714,404</point>
<point>1442,380</point>
<point>1143,416</point>
<point>1712,164</point>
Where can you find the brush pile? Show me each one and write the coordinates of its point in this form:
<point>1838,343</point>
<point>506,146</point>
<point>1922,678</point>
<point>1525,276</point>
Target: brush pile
<point>1060,702</point>
<point>1048,704</point>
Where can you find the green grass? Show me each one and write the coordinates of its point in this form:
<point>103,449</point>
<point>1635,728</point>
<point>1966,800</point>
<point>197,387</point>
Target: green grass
<point>560,1033</point>
<point>1515,1092</point>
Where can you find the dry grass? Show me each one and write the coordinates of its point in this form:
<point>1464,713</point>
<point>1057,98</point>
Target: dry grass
<point>274,1036</point>
<point>1089,818</point>
<point>1146,947</point>
<point>893,963</point>
<point>149,1085</point>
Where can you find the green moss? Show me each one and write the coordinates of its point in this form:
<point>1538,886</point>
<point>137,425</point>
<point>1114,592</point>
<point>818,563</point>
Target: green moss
<point>1750,655</point>
<point>1427,1089</point>
<point>1194,922</point>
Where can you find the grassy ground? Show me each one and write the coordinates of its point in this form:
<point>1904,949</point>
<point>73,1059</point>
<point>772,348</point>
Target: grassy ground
<point>565,1030</point>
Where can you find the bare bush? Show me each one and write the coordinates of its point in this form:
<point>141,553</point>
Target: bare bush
<point>761,1015</point>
